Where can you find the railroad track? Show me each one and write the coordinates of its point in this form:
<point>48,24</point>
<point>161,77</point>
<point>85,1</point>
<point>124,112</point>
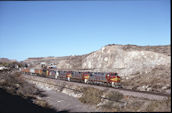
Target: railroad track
<point>130,92</point>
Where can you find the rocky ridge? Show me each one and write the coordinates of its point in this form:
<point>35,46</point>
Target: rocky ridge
<point>124,59</point>
<point>141,67</point>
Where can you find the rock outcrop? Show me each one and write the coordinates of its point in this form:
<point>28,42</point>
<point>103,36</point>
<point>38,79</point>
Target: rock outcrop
<point>116,59</point>
<point>127,60</point>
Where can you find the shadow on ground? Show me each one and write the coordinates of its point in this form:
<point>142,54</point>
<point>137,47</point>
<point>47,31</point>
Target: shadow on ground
<point>12,103</point>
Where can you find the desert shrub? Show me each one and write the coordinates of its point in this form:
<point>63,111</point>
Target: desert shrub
<point>151,106</point>
<point>27,90</point>
<point>42,103</point>
<point>109,107</point>
<point>4,64</point>
<point>161,105</point>
<point>8,81</point>
<point>112,106</point>
<point>14,85</point>
<point>135,105</point>
<point>114,95</point>
<point>91,95</point>
<point>168,101</point>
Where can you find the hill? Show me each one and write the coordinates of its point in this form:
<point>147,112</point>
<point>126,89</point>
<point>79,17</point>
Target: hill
<point>148,65</point>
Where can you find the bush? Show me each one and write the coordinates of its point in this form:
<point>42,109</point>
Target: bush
<point>91,95</point>
<point>115,96</point>
<point>15,85</point>
<point>42,103</point>
<point>161,106</point>
<point>110,107</point>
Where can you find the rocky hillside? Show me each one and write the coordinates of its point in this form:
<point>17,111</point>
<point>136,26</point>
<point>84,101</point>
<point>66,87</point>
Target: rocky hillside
<point>141,67</point>
<point>2,60</point>
<point>145,68</point>
<point>124,59</point>
<point>66,62</point>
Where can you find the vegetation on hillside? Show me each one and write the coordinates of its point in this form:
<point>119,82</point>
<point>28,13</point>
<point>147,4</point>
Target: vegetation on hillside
<point>15,85</point>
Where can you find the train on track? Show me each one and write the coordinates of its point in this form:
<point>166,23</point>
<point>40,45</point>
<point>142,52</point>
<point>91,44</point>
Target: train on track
<point>108,79</point>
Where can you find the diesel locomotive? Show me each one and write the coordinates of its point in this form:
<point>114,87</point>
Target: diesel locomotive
<point>109,79</point>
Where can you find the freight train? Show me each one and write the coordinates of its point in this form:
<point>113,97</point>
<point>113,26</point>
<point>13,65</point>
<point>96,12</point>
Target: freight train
<point>108,79</point>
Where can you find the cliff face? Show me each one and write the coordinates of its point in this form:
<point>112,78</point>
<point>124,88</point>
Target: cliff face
<point>115,58</point>
<point>143,68</point>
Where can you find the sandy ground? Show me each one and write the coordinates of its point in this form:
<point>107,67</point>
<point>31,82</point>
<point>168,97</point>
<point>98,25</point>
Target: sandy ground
<point>63,102</point>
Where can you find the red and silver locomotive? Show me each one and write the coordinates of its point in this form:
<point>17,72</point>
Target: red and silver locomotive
<point>109,79</point>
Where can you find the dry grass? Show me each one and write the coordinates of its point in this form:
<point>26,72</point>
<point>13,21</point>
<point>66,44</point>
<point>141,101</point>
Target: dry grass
<point>42,103</point>
<point>156,79</point>
<point>94,96</point>
<point>161,106</point>
<point>114,95</point>
<point>159,49</point>
<point>13,84</point>
<point>137,105</point>
<point>110,107</point>
<point>113,105</point>
<point>134,105</point>
<point>91,96</point>
<point>141,105</point>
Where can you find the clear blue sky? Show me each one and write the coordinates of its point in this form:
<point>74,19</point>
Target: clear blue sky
<point>62,28</point>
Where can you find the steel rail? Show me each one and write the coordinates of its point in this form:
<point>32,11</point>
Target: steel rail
<point>122,89</point>
<point>70,89</point>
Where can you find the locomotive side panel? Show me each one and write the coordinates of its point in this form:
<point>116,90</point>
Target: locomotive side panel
<point>97,77</point>
<point>76,76</point>
<point>62,75</point>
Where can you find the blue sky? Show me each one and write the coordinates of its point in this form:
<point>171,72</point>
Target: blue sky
<point>62,28</point>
